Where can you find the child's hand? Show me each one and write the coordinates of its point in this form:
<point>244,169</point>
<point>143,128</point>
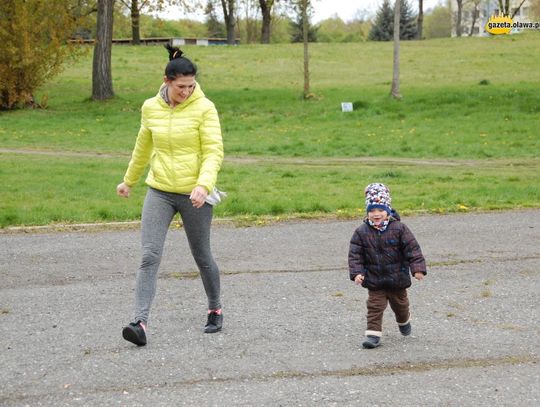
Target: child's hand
<point>359,279</point>
<point>419,276</point>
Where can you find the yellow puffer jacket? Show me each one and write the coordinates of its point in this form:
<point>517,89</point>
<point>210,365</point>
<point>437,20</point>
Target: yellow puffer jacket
<point>183,145</point>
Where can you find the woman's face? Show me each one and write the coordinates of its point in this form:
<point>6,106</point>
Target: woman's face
<point>180,88</point>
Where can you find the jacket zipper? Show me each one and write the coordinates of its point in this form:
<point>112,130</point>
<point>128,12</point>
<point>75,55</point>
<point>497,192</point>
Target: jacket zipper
<point>173,175</point>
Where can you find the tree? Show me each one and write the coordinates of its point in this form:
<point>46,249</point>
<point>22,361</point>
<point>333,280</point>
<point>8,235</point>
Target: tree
<point>535,9</point>
<point>101,69</point>
<point>229,10</point>
<point>334,29</point>
<point>33,47</point>
<point>504,6</point>
<point>136,7</point>
<point>135,12</point>
<point>249,25</point>
<point>302,23</point>
<point>304,4</point>
<point>84,12</point>
<point>214,26</point>
<point>420,19</point>
<point>407,22</point>
<point>383,27</point>
<point>395,77</point>
<point>438,24</point>
<point>475,15</point>
<point>458,17</point>
<point>266,11</point>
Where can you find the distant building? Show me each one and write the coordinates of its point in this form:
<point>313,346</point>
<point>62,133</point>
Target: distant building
<point>476,13</point>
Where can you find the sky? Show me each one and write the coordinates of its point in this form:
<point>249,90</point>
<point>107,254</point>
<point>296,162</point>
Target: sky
<point>323,9</point>
<point>347,9</point>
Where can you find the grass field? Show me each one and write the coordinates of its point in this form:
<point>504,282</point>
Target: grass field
<point>464,137</point>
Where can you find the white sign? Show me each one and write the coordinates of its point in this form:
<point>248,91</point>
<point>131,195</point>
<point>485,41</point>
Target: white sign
<point>346,107</point>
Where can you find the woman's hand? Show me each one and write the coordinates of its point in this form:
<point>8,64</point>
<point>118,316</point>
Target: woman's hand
<point>359,279</point>
<point>419,276</point>
<point>123,190</point>
<point>198,195</point>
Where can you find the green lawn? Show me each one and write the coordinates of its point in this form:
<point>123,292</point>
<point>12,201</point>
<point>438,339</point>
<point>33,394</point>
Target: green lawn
<point>471,102</point>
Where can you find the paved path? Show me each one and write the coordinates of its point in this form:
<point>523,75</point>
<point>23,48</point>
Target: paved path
<point>293,321</point>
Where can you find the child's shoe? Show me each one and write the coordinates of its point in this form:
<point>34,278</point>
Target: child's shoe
<point>214,322</point>
<point>405,329</point>
<point>135,333</point>
<point>371,342</point>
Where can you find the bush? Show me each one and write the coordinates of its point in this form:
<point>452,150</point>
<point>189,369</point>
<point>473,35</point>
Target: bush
<point>33,47</point>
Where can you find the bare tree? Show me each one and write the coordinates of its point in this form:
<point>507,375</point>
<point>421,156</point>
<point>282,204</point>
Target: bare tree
<point>136,7</point>
<point>504,7</point>
<point>420,19</point>
<point>458,17</point>
<point>266,11</point>
<point>229,10</point>
<point>135,13</point>
<point>305,31</point>
<point>250,9</point>
<point>101,69</point>
<point>395,78</point>
<point>475,15</point>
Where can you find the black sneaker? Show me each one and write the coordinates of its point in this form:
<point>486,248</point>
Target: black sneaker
<point>214,323</point>
<point>135,333</point>
<point>405,329</point>
<point>371,342</point>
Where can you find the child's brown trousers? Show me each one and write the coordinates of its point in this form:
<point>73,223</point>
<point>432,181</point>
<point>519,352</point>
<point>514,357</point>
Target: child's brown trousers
<point>376,304</point>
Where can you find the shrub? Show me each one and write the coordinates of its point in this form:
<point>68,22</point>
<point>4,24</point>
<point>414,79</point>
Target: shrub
<point>33,47</point>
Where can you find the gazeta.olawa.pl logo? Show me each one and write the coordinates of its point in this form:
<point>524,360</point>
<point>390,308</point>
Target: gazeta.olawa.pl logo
<point>501,24</point>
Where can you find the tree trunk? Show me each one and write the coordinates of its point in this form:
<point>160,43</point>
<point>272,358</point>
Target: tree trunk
<point>101,68</point>
<point>266,11</point>
<point>135,23</point>
<point>458,19</point>
<point>395,79</point>
<point>475,16</point>
<point>305,32</point>
<point>230,22</point>
<point>420,20</point>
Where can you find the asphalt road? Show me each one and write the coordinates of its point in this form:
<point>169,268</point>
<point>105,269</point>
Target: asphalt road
<point>293,321</point>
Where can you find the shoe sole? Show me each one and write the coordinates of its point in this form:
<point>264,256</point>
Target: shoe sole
<point>369,345</point>
<point>406,333</point>
<point>213,331</point>
<point>130,336</point>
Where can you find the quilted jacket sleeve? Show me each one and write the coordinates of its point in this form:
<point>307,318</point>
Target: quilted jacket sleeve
<point>141,154</point>
<point>211,149</point>
<point>356,256</point>
<point>412,251</point>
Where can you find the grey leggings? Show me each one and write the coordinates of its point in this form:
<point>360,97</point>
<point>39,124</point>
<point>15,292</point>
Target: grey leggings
<point>158,211</point>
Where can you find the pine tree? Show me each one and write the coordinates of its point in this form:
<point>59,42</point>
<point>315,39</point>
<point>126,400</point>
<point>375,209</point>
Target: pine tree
<point>383,27</point>
<point>297,26</point>
<point>407,22</point>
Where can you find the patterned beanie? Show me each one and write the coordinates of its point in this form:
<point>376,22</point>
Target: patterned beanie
<point>378,196</point>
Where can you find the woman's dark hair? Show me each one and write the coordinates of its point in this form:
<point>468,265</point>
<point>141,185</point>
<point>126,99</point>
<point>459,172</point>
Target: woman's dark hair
<point>178,64</point>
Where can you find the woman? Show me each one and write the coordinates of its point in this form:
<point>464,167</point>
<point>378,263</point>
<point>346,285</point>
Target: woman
<point>180,136</point>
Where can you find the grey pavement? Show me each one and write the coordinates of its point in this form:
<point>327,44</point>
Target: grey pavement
<point>293,321</point>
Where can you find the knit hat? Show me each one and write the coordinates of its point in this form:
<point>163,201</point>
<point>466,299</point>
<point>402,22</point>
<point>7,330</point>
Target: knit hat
<point>378,196</point>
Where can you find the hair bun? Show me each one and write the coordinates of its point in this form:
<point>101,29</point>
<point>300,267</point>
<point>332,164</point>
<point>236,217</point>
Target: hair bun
<point>174,52</point>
